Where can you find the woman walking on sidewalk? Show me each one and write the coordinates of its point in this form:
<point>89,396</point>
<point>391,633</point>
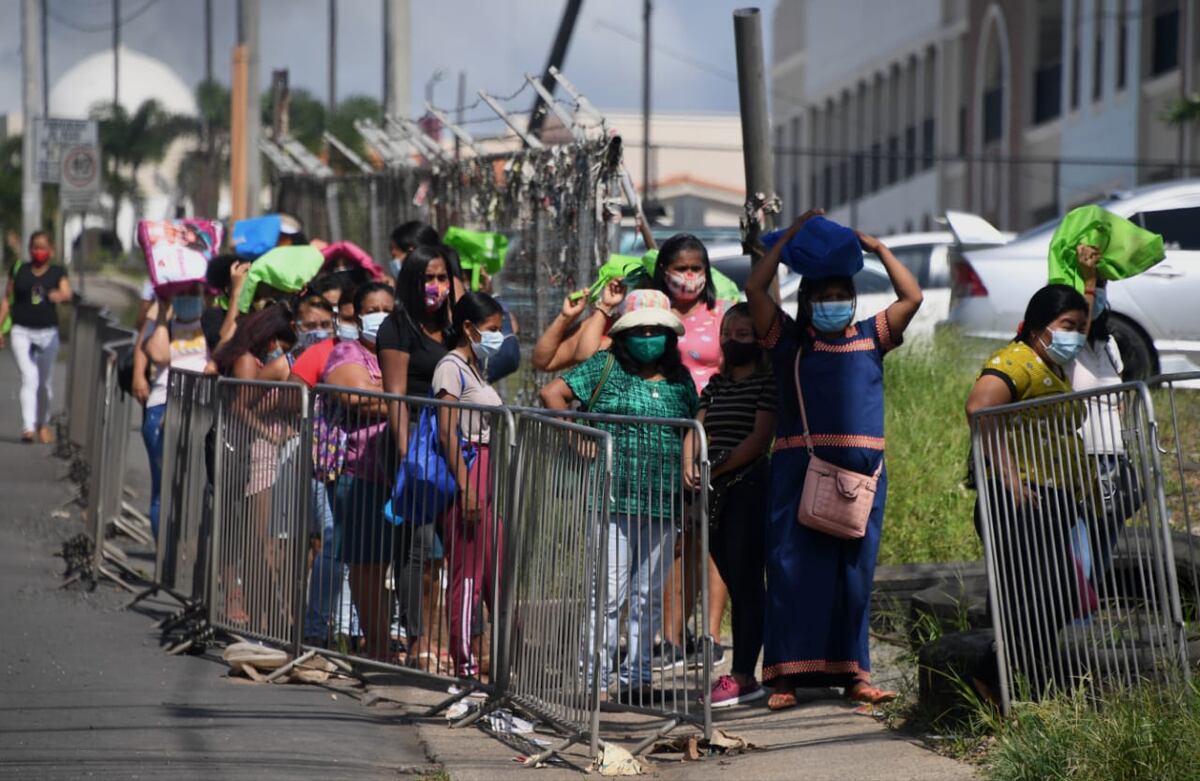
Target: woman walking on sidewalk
<point>34,290</point>
<point>829,370</point>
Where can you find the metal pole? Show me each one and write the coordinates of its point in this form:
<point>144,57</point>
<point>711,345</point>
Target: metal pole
<point>45,63</point>
<point>116,40</point>
<point>248,16</point>
<point>31,96</point>
<point>752,99</point>
<point>646,11</point>
<point>558,54</point>
<point>208,41</point>
<point>459,110</point>
<point>396,32</point>
<point>332,56</point>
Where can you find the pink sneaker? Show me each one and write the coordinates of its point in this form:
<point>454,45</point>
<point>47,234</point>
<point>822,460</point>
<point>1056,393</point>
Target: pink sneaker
<point>726,692</point>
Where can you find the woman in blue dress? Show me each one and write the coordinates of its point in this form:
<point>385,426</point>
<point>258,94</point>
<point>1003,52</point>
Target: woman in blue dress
<point>819,586</point>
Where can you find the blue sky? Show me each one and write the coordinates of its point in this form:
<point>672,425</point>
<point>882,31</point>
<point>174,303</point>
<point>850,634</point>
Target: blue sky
<point>494,41</point>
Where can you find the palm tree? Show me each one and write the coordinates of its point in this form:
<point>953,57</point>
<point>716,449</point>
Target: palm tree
<point>129,141</point>
<point>1183,110</point>
<point>10,193</point>
<point>354,107</point>
<point>204,168</point>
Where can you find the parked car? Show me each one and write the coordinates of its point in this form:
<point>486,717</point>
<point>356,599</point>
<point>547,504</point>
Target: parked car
<point>1155,318</point>
<point>925,254</point>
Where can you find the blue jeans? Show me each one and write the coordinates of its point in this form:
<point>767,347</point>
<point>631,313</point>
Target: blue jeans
<point>325,586</point>
<point>152,432</point>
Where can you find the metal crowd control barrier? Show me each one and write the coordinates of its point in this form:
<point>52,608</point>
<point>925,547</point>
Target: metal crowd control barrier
<point>261,510</point>
<point>1081,573</point>
<point>185,517</point>
<point>421,567</point>
<point>86,324</point>
<point>555,547</point>
<point>109,440</point>
<point>1177,404</point>
<point>654,648</point>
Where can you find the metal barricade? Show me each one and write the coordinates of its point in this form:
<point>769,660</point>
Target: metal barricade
<point>408,579</point>
<point>1177,406</point>
<point>1081,574</point>
<point>185,517</point>
<point>654,647</point>
<point>550,646</point>
<point>261,512</point>
<point>86,338</point>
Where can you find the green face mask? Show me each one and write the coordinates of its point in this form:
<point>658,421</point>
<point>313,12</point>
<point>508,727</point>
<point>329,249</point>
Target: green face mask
<point>647,349</point>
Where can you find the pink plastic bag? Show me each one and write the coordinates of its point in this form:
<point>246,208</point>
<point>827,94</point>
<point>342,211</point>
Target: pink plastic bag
<point>178,251</point>
<point>352,255</point>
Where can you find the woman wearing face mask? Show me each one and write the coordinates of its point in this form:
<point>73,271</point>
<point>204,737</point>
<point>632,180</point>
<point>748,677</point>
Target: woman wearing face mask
<point>261,337</point>
<point>818,585</point>
<point>34,290</point>
<point>176,341</point>
<point>471,533</point>
<point>363,486</point>
<point>312,325</point>
<point>737,409</point>
<point>641,375</point>
<point>406,237</point>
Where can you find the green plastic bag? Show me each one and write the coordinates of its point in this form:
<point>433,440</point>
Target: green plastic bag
<point>287,269</point>
<point>477,250</point>
<point>1126,250</point>
<point>635,271</point>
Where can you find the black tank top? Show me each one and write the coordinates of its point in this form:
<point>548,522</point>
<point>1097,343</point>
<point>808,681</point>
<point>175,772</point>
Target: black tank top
<point>31,306</point>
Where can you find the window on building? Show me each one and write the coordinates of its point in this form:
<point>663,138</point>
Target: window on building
<point>1047,72</point>
<point>1076,59</point>
<point>1098,62</point>
<point>1164,45</point>
<point>910,151</point>
<point>893,159</point>
<point>927,143</point>
<point>827,184</point>
<point>993,119</point>
<point>876,166</point>
<point>859,175</point>
<point>1122,44</point>
<point>962,130</point>
<point>794,160</point>
<point>780,158</point>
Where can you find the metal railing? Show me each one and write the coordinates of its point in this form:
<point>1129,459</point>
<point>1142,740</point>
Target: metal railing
<point>1081,572</point>
<point>1177,403</point>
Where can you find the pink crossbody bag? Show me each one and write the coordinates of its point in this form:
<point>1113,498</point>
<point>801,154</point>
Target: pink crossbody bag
<point>834,500</point>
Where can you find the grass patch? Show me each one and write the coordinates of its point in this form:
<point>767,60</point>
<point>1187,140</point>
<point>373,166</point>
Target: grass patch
<point>929,512</point>
<point>1147,733</point>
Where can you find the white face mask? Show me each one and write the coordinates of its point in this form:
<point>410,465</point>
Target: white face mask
<point>489,345</point>
<point>371,323</point>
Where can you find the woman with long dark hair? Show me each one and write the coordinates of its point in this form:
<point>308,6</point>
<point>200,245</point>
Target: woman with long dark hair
<point>640,375</point>
<point>260,338</point>
<point>472,531</point>
<point>829,370</point>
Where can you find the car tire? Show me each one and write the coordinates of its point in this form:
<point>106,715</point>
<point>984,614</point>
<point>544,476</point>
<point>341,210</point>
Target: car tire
<point>1138,355</point>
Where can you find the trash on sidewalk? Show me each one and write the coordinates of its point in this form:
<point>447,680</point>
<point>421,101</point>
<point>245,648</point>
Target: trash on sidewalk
<point>263,665</point>
<point>694,747</point>
<point>616,761</point>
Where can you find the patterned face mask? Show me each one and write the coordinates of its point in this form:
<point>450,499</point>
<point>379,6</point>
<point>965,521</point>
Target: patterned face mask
<point>686,287</point>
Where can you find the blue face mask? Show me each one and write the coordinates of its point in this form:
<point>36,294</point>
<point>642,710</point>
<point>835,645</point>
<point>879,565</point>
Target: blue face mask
<point>187,308</point>
<point>274,355</point>
<point>371,323</point>
<point>1064,346</point>
<point>1099,302</point>
<point>394,266</point>
<point>347,332</point>
<point>309,338</point>
<point>831,316</point>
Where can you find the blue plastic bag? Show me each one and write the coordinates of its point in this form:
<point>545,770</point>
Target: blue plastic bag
<point>822,248</point>
<point>255,235</point>
<point>425,486</point>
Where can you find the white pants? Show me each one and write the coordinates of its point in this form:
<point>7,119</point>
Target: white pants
<point>35,350</point>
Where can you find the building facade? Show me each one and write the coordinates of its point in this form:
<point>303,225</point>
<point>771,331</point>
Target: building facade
<point>888,114</point>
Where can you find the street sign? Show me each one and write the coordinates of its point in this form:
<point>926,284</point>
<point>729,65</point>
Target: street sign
<point>67,153</point>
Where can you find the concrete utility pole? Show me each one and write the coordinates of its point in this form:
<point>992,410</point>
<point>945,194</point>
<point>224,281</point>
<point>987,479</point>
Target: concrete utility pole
<point>31,96</point>
<point>248,16</point>
<point>752,100</point>
<point>332,56</point>
<point>116,9</point>
<point>208,41</point>
<point>396,49</point>
<point>45,64</point>
<point>646,11</point>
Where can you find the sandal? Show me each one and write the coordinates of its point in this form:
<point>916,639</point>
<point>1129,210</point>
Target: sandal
<point>782,700</point>
<point>865,693</point>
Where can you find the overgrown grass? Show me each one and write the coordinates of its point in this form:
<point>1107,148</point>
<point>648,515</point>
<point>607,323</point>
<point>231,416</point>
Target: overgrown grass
<point>929,512</point>
<point>1146,733</point>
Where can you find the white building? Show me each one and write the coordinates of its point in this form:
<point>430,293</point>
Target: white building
<point>888,113</point>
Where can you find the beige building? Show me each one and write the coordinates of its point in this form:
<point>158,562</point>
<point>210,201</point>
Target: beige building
<point>1015,109</point>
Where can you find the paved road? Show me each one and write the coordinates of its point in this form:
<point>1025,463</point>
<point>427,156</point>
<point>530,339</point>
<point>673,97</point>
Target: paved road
<point>86,693</point>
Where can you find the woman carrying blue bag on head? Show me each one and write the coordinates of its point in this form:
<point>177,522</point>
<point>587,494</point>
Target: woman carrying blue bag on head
<point>829,371</point>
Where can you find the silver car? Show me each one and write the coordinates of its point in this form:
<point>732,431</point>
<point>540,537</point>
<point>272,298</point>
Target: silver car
<point>1155,316</point>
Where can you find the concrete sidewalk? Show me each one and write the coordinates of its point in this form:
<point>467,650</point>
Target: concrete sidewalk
<point>87,692</point>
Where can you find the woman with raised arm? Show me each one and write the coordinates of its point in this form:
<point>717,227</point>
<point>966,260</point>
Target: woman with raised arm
<point>829,369</point>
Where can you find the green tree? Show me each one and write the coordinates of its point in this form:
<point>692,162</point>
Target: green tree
<point>129,141</point>
<point>1183,110</point>
<point>10,194</point>
<point>354,107</point>
<point>204,168</point>
<point>306,118</point>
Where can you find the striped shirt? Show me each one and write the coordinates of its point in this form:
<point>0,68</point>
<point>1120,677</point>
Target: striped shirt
<point>730,407</point>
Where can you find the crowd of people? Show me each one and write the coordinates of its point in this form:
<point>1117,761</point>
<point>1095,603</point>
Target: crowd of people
<point>776,393</point>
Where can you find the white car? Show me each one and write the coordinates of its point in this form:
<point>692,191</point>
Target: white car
<point>1155,318</point>
<point>926,255</point>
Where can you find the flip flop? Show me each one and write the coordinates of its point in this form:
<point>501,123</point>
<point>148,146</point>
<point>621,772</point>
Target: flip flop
<point>782,701</point>
<point>868,694</point>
